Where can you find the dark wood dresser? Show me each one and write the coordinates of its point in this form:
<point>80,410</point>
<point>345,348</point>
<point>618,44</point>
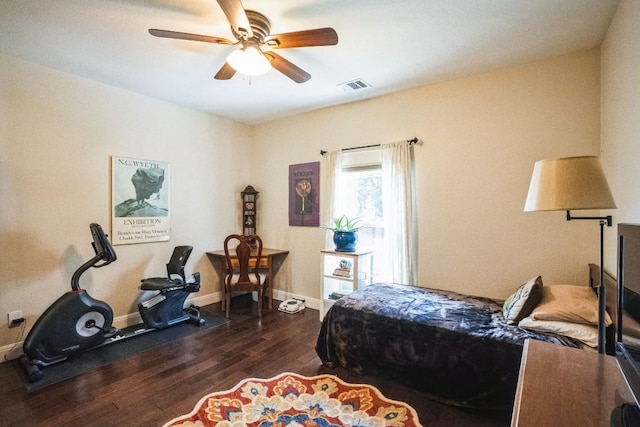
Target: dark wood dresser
<point>563,386</point>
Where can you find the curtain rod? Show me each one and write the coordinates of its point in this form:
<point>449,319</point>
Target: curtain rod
<point>412,141</point>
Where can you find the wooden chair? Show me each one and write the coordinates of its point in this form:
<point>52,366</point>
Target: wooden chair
<point>243,268</point>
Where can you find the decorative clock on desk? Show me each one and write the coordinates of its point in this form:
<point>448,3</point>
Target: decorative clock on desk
<point>249,196</point>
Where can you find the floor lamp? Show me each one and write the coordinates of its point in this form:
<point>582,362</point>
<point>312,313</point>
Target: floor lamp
<point>575,183</point>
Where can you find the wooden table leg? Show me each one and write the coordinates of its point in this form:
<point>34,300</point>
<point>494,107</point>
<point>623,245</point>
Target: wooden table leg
<point>224,287</point>
<point>270,272</point>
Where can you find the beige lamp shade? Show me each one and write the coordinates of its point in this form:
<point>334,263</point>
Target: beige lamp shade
<point>568,183</point>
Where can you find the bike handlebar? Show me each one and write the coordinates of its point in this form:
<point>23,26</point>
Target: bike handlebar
<point>102,246</point>
<point>105,255</point>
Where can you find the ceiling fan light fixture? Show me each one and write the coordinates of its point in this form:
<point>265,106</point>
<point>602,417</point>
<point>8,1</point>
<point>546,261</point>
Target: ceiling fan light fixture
<point>249,61</point>
<point>252,31</point>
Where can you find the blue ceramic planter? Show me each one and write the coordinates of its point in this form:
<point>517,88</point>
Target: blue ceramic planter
<point>345,241</point>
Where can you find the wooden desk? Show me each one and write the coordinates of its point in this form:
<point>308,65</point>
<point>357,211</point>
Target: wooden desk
<point>563,386</point>
<point>271,260</point>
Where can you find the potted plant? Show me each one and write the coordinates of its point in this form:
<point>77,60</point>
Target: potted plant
<point>345,233</point>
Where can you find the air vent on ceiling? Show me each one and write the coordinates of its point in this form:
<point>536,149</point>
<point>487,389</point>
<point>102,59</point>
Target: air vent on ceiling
<point>354,85</point>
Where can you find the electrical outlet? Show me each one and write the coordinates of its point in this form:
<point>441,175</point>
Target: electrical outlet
<point>15,318</point>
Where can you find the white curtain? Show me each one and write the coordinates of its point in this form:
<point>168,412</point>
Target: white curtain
<point>398,206</point>
<point>329,183</point>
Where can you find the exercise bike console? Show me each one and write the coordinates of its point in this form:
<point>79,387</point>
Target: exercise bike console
<point>76,322</point>
<point>105,255</point>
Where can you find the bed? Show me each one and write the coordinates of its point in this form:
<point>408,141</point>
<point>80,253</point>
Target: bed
<point>457,348</point>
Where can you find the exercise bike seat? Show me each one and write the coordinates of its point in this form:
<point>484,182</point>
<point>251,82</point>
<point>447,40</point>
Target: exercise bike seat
<point>175,279</point>
<point>159,284</point>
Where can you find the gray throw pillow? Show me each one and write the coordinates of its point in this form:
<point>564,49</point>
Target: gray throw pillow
<point>523,301</point>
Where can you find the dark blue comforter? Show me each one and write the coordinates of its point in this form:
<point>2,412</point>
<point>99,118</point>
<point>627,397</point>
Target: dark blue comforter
<point>455,347</point>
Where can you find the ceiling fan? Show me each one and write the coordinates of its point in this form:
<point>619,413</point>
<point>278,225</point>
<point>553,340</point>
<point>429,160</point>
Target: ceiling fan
<point>252,32</point>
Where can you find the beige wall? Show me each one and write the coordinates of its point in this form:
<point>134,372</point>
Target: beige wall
<point>620,119</point>
<point>482,136</point>
<point>57,133</point>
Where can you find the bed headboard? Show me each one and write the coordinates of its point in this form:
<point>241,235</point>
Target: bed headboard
<point>611,286</point>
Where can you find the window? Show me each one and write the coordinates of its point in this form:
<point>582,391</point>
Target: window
<point>360,196</point>
<point>376,185</point>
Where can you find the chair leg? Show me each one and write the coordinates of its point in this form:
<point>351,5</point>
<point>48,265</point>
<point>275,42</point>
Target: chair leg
<point>269,292</point>
<point>227,297</point>
<point>224,297</point>
<point>260,297</point>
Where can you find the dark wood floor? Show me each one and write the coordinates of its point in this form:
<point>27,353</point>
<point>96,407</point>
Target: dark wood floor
<point>155,386</point>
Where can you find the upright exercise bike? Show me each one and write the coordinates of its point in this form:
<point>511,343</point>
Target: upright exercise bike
<point>77,322</point>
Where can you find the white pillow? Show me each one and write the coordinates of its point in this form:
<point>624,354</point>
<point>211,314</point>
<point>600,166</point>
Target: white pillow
<point>585,333</point>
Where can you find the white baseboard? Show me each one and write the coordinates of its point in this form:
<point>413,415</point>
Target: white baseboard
<point>10,351</point>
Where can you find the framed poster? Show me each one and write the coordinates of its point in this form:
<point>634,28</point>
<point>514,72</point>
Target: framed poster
<point>140,201</point>
<point>304,194</point>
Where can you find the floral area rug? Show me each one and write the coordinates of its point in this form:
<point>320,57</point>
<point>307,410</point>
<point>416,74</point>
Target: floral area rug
<point>293,400</point>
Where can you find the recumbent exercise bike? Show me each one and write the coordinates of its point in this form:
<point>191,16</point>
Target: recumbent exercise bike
<point>77,322</point>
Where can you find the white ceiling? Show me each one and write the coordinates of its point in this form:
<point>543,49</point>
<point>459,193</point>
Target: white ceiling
<point>391,44</point>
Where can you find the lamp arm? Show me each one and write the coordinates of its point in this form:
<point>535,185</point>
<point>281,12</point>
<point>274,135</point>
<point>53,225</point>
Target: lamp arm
<point>607,219</point>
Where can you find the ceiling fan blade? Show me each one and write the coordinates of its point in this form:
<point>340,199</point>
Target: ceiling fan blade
<point>225,73</point>
<point>236,16</point>
<point>317,37</point>
<point>290,70</point>
<point>187,36</point>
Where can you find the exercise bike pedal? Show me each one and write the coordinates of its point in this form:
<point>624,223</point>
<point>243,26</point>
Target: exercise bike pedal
<point>193,311</point>
<point>111,332</point>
